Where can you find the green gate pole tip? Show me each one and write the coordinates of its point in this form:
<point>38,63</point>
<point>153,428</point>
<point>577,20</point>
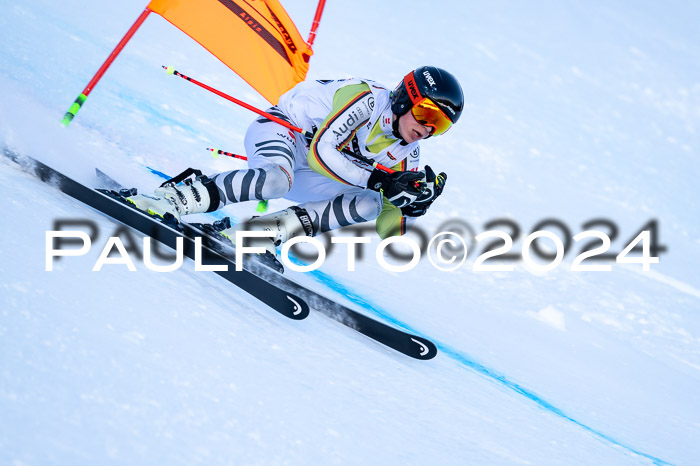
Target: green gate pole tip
<point>73,110</point>
<point>262,207</point>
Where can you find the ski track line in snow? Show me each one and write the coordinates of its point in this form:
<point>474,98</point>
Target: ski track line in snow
<point>459,356</point>
<point>466,360</point>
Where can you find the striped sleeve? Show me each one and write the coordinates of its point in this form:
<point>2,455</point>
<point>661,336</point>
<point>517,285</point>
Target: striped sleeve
<point>352,108</point>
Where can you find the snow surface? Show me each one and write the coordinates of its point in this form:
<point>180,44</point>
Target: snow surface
<point>574,112</point>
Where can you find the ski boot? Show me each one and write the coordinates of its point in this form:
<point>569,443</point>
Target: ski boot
<point>286,224</point>
<point>171,199</point>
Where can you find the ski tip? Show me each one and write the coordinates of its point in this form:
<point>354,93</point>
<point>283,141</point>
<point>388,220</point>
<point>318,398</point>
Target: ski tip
<point>298,309</point>
<point>422,349</point>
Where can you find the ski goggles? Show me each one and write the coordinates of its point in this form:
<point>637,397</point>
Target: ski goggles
<point>424,110</point>
<point>427,113</point>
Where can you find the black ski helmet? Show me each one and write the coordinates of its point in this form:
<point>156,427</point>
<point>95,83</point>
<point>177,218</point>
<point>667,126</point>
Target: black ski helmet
<point>433,83</point>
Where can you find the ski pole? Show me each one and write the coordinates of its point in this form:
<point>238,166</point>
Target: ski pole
<point>173,71</point>
<point>262,205</point>
<point>217,152</point>
<point>307,134</point>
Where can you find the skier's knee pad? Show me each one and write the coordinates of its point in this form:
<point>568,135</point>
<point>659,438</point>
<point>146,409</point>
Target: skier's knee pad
<point>278,181</point>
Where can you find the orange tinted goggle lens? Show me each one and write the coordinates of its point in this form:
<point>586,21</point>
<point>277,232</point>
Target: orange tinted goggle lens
<point>427,113</point>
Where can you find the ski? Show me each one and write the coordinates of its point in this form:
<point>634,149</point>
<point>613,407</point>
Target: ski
<point>411,345</point>
<point>284,302</point>
<point>272,288</point>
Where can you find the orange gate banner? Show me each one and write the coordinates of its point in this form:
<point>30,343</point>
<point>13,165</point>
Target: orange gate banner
<point>255,38</point>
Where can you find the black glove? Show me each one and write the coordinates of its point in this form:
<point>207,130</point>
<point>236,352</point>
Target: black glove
<point>400,188</point>
<point>432,188</point>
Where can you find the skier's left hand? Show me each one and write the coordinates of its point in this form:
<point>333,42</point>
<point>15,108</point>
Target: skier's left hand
<point>432,188</point>
<point>400,187</point>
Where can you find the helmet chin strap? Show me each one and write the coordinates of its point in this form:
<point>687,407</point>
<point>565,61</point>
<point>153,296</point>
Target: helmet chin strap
<point>395,131</point>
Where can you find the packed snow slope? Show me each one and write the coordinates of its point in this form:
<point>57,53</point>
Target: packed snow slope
<point>574,112</point>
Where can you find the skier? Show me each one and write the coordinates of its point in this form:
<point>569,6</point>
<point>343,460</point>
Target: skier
<point>334,188</point>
